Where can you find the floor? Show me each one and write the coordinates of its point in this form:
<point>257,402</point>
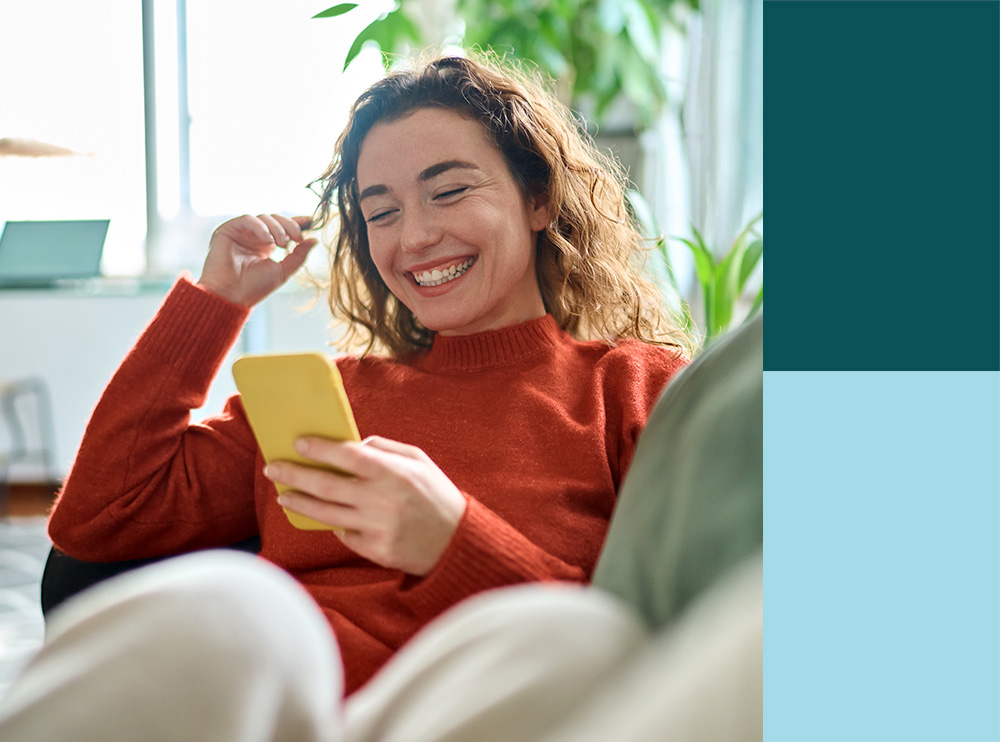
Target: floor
<point>24,546</point>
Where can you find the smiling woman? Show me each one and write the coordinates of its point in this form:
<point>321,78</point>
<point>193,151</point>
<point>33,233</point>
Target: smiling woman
<point>585,247</point>
<point>450,206</point>
<point>513,356</point>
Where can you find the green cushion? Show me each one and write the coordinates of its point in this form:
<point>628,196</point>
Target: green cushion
<point>691,506</point>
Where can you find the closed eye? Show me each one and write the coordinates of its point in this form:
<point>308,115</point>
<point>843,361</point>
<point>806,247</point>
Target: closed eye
<point>451,192</point>
<point>374,218</point>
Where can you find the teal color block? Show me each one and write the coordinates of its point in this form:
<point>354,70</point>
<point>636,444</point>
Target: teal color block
<point>882,184</point>
<point>881,556</point>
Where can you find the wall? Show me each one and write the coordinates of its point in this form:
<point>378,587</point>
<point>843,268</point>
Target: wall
<point>74,340</point>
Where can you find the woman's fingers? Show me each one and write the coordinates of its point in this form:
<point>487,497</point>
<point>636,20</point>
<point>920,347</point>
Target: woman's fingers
<point>265,229</point>
<point>330,486</point>
<point>294,226</point>
<point>390,446</point>
<point>361,460</point>
<point>296,257</point>
<point>398,508</point>
<point>244,231</point>
<point>239,265</point>
<point>275,228</point>
<point>284,229</point>
<point>332,513</point>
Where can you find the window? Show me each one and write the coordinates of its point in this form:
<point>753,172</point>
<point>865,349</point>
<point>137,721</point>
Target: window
<point>266,100</point>
<point>262,85</point>
<point>73,81</point>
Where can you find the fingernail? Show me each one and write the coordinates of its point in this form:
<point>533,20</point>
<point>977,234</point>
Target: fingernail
<point>301,445</point>
<point>270,471</point>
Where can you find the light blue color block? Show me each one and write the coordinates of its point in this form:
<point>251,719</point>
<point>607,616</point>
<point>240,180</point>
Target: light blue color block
<point>881,556</point>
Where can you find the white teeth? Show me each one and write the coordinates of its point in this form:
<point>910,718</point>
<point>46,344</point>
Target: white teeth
<point>436,277</point>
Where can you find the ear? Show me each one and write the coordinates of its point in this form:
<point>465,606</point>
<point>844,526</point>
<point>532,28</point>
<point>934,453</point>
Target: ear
<point>539,211</point>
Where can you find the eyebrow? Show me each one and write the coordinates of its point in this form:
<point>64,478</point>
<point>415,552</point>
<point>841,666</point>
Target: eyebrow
<point>426,174</point>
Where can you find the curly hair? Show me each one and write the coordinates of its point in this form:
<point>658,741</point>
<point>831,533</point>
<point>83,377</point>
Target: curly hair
<point>586,262</point>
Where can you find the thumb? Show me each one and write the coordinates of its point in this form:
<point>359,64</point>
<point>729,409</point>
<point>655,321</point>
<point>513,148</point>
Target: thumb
<point>296,257</point>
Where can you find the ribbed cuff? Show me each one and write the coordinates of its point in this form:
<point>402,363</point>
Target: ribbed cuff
<point>485,552</point>
<point>193,330</point>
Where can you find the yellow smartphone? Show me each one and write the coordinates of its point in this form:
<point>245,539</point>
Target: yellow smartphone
<point>287,396</point>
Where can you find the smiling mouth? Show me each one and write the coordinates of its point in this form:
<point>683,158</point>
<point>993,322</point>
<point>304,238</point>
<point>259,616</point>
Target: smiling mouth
<point>437,277</point>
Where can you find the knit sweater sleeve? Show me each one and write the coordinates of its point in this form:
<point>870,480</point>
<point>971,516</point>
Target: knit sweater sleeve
<point>635,376</point>
<point>145,480</point>
<point>485,552</point>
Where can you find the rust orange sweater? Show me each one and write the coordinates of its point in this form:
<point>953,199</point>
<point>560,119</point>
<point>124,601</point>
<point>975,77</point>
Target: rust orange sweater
<point>535,428</point>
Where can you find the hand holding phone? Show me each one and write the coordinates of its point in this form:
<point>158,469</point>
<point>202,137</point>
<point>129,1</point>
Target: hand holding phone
<point>287,396</point>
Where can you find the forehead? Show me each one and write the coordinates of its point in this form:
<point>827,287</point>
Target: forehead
<point>406,146</point>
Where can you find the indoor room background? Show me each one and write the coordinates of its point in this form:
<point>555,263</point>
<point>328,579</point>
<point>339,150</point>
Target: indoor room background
<point>170,117</point>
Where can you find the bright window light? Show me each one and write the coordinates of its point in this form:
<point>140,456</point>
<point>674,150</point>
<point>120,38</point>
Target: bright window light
<point>266,99</point>
<point>72,78</point>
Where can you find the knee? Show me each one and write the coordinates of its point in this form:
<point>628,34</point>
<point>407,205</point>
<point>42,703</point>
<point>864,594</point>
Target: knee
<point>200,647</point>
<point>550,606</point>
<point>208,607</point>
<point>545,622</point>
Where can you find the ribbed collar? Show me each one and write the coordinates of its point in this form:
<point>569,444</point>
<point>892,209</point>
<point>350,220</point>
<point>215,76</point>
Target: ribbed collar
<point>494,348</point>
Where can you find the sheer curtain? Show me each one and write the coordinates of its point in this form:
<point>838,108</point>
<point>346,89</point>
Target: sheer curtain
<point>723,118</point>
<point>705,155</point>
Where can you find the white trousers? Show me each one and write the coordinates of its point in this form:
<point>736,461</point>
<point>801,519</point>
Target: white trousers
<point>223,646</point>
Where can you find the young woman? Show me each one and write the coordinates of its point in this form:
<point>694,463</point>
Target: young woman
<point>513,351</point>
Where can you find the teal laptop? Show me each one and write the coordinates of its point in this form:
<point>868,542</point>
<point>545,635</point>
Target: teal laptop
<point>41,254</point>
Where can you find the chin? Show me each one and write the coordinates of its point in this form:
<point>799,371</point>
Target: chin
<point>448,325</point>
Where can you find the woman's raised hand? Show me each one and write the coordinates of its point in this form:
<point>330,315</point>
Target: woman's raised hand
<point>397,508</point>
<point>239,265</point>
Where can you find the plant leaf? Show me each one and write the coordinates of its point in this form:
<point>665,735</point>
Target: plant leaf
<point>387,31</point>
<point>336,10</point>
<point>748,228</point>
<point>709,298</point>
<point>726,289</point>
<point>703,263</point>
<point>368,33</point>
<point>646,220</point>
<point>751,256</point>
<point>641,30</point>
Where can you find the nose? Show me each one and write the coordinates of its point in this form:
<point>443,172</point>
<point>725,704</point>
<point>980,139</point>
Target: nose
<point>419,231</point>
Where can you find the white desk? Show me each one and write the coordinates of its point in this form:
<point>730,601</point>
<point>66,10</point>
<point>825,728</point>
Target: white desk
<point>74,339</point>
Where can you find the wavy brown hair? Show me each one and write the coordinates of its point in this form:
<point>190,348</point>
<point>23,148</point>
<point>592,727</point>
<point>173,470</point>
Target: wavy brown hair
<point>587,257</point>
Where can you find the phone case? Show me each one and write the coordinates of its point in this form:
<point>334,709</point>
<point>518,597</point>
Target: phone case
<point>287,396</point>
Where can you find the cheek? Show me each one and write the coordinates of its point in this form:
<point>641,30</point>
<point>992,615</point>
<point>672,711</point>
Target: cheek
<point>382,260</point>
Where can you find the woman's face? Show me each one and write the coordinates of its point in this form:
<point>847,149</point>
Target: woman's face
<point>450,232</point>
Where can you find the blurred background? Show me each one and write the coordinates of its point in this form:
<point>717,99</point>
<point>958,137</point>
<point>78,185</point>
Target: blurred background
<point>169,117</point>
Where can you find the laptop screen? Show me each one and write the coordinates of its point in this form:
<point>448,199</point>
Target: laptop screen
<point>40,253</point>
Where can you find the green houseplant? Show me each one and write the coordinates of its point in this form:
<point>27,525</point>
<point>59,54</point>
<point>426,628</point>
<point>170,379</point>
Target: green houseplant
<point>722,278</point>
<point>597,51</point>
